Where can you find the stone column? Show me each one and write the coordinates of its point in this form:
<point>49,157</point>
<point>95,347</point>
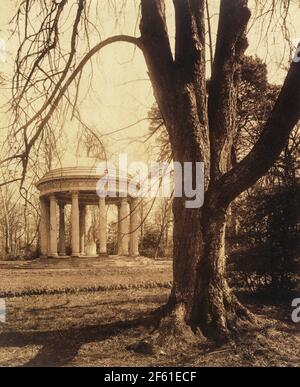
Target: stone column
<point>134,227</point>
<point>48,226</point>
<point>43,228</point>
<point>102,227</point>
<point>52,252</point>
<point>123,227</point>
<point>75,225</point>
<point>82,226</point>
<point>62,231</point>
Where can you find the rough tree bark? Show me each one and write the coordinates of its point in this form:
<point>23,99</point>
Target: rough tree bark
<point>204,131</point>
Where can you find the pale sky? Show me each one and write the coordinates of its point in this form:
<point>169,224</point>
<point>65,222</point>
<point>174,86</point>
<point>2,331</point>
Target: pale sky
<point>122,93</point>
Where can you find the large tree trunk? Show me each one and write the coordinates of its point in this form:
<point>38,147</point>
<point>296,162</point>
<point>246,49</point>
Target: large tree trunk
<point>211,290</point>
<point>215,308</point>
<point>176,324</point>
<point>187,248</point>
<point>201,297</point>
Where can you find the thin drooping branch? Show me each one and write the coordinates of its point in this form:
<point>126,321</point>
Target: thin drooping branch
<point>64,72</point>
<point>54,104</point>
<point>230,47</point>
<point>49,45</point>
<point>8,182</point>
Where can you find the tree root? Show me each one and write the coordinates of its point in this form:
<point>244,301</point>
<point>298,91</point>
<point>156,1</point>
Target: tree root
<point>223,322</point>
<point>174,330</point>
<point>172,333</point>
<point>228,320</point>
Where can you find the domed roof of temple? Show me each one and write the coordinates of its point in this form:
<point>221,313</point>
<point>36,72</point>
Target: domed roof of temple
<point>84,175</point>
<point>76,167</point>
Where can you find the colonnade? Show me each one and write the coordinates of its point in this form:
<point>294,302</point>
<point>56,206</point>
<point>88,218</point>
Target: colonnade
<point>53,230</point>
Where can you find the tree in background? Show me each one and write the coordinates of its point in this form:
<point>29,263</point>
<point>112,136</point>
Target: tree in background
<point>263,227</point>
<point>18,226</point>
<point>267,243</point>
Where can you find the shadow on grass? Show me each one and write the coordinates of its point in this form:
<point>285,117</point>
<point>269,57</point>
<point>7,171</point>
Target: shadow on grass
<point>60,347</point>
<point>66,305</point>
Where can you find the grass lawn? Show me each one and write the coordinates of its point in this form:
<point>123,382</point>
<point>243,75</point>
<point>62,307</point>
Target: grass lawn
<point>94,327</point>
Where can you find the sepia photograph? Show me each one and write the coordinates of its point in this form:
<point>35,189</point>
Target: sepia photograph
<point>150,186</point>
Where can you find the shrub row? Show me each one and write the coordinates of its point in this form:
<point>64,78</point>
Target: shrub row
<point>86,289</point>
